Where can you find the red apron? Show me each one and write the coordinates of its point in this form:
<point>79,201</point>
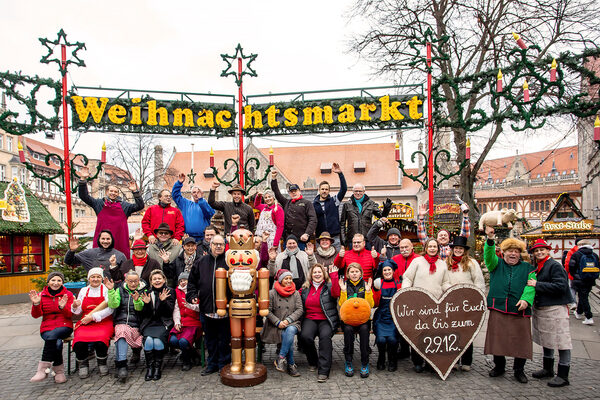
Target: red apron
<point>113,218</point>
<point>94,331</point>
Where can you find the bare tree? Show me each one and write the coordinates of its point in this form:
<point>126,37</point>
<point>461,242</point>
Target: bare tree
<point>480,38</point>
<point>136,154</point>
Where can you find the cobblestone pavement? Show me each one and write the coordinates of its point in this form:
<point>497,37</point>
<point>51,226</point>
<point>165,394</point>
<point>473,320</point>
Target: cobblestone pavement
<point>17,366</point>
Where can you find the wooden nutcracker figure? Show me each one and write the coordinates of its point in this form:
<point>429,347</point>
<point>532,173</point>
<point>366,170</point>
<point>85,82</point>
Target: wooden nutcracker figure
<point>243,279</point>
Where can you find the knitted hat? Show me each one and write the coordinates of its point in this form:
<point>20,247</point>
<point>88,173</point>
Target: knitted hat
<point>511,243</point>
<point>183,275</point>
<point>540,243</point>
<point>393,231</point>
<point>387,263</point>
<point>95,271</point>
<point>282,273</point>
<point>292,237</point>
<point>138,244</point>
<point>53,274</point>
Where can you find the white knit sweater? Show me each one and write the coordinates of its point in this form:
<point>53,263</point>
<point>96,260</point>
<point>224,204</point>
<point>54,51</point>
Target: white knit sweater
<point>417,275</point>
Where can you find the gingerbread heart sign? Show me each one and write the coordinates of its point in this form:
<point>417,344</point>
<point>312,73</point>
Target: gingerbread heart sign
<point>440,330</point>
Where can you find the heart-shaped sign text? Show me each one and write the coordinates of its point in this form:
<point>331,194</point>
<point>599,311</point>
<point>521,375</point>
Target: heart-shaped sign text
<point>440,330</point>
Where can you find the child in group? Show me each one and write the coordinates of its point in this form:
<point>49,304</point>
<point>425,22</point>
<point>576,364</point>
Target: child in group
<point>187,326</point>
<point>387,336</point>
<point>355,286</point>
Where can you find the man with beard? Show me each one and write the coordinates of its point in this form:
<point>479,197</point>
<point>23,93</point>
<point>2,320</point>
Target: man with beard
<point>234,207</point>
<point>112,211</point>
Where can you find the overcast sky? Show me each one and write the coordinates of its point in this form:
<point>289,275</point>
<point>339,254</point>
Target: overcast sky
<point>176,46</point>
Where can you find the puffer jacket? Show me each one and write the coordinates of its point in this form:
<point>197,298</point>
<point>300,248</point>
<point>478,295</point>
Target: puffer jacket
<point>353,221</point>
<point>124,306</point>
<point>158,310</point>
<point>328,304</point>
<point>52,316</point>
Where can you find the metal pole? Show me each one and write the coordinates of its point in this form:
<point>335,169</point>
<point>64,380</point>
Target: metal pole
<point>67,157</point>
<point>241,132</point>
<point>429,141</point>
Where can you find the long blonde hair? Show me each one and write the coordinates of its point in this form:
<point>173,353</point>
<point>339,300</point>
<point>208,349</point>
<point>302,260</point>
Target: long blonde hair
<point>465,263</point>
<point>308,283</point>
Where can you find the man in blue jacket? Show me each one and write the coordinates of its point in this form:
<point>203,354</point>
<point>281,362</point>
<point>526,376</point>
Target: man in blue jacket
<point>196,212</point>
<point>327,207</point>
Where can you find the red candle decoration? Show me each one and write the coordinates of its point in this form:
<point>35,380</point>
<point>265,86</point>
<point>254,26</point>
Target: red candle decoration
<point>499,82</point>
<point>103,158</point>
<point>597,129</point>
<point>553,71</point>
<point>271,158</point>
<point>525,90</point>
<point>520,41</point>
<point>468,149</point>
<point>397,151</point>
<point>21,152</point>
<point>212,158</point>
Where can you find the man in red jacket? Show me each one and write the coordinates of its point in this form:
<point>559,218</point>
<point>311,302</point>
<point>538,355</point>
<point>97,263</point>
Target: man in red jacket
<point>368,260</point>
<point>404,258</point>
<point>163,212</point>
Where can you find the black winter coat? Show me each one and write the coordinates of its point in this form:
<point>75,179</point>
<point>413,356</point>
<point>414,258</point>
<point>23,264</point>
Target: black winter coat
<point>378,243</point>
<point>328,304</point>
<point>118,274</point>
<point>353,221</point>
<point>552,286</point>
<point>201,283</point>
<point>158,311</point>
<point>173,269</point>
<point>300,216</point>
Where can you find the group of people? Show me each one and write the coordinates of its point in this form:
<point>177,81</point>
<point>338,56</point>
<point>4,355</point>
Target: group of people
<point>320,254</point>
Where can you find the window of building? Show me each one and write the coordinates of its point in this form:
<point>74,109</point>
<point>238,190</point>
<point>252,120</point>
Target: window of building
<point>9,143</point>
<point>531,206</point>
<point>61,214</point>
<point>14,172</point>
<point>537,206</point>
<point>2,172</point>
<point>1,142</point>
<point>22,176</point>
<point>547,205</point>
<point>538,176</point>
<point>484,208</point>
<point>572,172</point>
<point>46,186</point>
<point>514,205</point>
<point>38,184</point>
<point>21,254</point>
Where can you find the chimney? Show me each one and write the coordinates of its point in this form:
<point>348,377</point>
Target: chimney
<point>158,168</point>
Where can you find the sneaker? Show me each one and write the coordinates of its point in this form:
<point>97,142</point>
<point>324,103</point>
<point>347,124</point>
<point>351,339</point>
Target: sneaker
<point>465,368</point>
<point>322,378</point>
<point>588,321</point>
<point>349,369</point>
<point>293,370</point>
<point>364,371</point>
<point>280,364</point>
<point>577,316</point>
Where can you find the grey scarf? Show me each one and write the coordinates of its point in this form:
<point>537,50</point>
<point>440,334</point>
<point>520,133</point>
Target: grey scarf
<point>189,261</point>
<point>326,253</point>
<point>293,261</point>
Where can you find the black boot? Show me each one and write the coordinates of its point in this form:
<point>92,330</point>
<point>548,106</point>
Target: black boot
<point>499,366</point>
<point>158,360</point>
<point>186,360</point>
<point>381,358</point>
<point>149,365</point>
<point>519,367</point>
<point>135,355</point>
<point>392,357</point>
<point>547,370</point>
<point>121,367</point>
<point>561,378</point>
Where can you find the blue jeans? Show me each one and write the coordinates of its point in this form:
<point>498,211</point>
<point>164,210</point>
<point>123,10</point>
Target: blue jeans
<point>287,343</point>
<point>53,344</point>
<point>121,349</point>
<point>153,344</point>
<point>181,344</point>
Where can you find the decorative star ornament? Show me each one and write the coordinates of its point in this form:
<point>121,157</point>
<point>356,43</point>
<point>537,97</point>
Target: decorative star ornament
<point>231,64</point>
<point>192,177</point>
<point>62,40</point>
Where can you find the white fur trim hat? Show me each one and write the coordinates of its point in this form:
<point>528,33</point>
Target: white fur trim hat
<point>95,271</point>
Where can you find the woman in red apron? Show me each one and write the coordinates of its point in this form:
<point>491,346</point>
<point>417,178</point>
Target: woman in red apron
<point>95,328</point>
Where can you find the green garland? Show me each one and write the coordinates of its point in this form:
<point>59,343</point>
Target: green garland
<point>11,83</point>
<point>106,126</point>
<point>509,105</point>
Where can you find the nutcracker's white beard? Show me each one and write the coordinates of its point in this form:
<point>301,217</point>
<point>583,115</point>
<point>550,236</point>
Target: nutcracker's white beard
<point>241,280</point>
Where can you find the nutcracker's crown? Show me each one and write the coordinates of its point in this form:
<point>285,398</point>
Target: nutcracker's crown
<point>241,239</point>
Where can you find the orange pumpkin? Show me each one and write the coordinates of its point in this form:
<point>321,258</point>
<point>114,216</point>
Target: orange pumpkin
<point>355,311</point>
